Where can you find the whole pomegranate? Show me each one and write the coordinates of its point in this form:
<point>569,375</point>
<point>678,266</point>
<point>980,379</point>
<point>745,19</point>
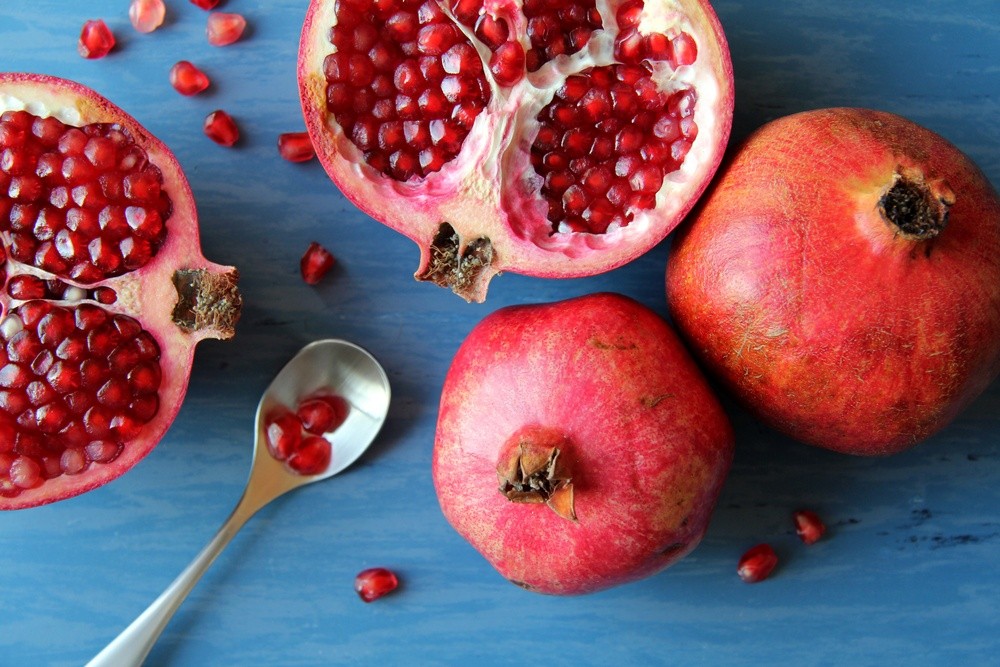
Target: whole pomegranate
<point>104,290</point>
<point>578,447</point>
<point>843,279</point>
<point>552,139</point>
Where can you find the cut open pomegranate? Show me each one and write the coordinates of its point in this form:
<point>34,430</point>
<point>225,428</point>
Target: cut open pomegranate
<point>553,139</point>
<point>105,290</point>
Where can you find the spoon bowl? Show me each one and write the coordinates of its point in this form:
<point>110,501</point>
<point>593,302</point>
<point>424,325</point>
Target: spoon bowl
<point>331,365</point>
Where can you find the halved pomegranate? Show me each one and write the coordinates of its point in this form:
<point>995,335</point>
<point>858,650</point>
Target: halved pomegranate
<point>105,290</point>
<point>553,139</point>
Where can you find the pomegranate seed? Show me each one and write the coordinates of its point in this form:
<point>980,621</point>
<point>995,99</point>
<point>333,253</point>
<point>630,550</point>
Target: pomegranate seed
<point>757,563</point>
<point>808,526</point>
<point>373,583</point>
<point>25,472</point>
<point>225,28</point>
<point>96,40</point>
<point>187,79</point>
<point>316,263</point>
<point>146,15</point>
<point>282,433</point>
<point>685,49</point>
<point>296,146</point>
<point>221,128</point>
<point>507,63</point>
<point>205,4</point>
<point>322,414</point>
<point>312,456</point>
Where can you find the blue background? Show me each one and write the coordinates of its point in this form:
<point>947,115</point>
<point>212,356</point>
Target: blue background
<point>908,573</point>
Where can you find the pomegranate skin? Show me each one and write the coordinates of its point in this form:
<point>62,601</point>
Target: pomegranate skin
<point>831,322</point>
<point>643,439</point>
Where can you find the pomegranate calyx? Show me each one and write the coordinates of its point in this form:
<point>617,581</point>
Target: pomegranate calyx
<point>531,470</point>
<point>464,268</point>
<point>915,208</point>
<point>207,301</point>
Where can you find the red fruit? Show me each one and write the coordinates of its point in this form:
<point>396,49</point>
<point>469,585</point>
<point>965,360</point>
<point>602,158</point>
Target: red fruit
<point>205,4</point>
<point>316,262</point>
<point>105,377</point>
<point>482,156</point>
<point>282,433</point>
<point>187,79</point>
<point>373,583</point>
<point>311,457</point>
<point>608,443</point>
<point>146,15</point>
<point>757,563</point>
<point>225,28</point>
<point>221,128</point>
<point>842,280</point>
<point>808,526</point>
<point>96,40</point>
<point>296,146</point>
<point>322,413</point>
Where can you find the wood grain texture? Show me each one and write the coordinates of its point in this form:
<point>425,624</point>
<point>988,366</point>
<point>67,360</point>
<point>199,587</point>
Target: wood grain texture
<point>906,575</point>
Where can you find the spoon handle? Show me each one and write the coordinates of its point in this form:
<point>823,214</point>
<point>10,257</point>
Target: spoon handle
<point>130,648</point>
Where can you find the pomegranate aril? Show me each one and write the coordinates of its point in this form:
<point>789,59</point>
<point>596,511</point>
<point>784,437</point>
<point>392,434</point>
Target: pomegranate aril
<point>188,79</point>
<point>316,262</point>
<point>373,583</point>
<point>757,563</point>
<point>96,40</point>
<point>225,28</point>
<point>808,526</point>
<point>685,50</point>
<point>296,146</point>
<point>221,128</point>
<point>205,4</point>
<point>322,414</point>
<point>25,472</point>
<point>507,63</point>
<point>102,450</point>
<point>312,456</point>
<point>146,15</point>
<point>282,433</point>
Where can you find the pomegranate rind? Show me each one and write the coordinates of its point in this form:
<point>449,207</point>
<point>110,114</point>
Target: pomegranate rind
<point>151,300</point>
<point>489,196</point>
<point>814,311</point>
<point>648,445</point>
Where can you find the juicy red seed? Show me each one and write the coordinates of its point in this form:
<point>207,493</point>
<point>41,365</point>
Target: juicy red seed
<point>224,28</point>
<point>25,472</point>
<point>312,456</point>
<point>25,287</point>
<point>221,128</point>
<point>322,414</point>
<point>316,262</point>
<point>146,15</point>
<point>96,40</point>
<point>373,583</point>
<point>757,563</point>
<point>102,450</point>
<point>205,4</point>
<point>282,433</point>
<point>187,78</point>
<point>296,146</point>
<point>685,49</point>
<point>808,526</point>
<point>558,28</point>
<point>507,63</point>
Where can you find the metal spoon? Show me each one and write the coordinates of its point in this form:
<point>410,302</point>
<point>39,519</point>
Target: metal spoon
<point>335,365</point>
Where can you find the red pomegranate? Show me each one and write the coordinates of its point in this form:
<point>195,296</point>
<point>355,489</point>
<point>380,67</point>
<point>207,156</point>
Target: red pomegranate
<point>553,139</point>
<point>578,447</point>
<point>105,290</point>
<point>843,279</point>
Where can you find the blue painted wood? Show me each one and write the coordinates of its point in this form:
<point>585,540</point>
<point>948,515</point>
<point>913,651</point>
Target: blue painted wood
<point>908,574</point>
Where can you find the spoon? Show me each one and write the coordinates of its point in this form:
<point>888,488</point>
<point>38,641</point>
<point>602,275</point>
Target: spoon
<point>333,365</point>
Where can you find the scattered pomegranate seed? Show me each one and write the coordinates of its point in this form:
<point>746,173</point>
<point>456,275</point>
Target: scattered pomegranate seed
<point>312,456</point>
<point>96,40</point>
<point>757,563</point>
<point>322,414</point>
<point>187,79</point>
<point>808,526</point>
<point>146,15</point>
<point>205,4</point>
<point>316,263</point>
<point>225,28</point>
<point>373,583</point>
<point>296,146</point>
<point>221,128</point>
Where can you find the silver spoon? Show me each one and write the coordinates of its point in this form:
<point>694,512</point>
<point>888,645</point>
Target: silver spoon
<point>336,365</point>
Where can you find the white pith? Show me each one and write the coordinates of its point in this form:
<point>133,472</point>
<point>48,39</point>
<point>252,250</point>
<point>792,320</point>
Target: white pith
<point>513,215</point>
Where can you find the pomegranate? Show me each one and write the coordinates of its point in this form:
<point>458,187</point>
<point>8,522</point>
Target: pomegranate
<point>550,139</point>
<point>578,446</point>
<point>843,280</point>
<point>105,290</point>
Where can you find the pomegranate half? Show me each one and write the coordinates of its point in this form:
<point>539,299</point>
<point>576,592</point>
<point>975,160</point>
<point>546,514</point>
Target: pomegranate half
<point>578,446</point>
<point>843,279</point>
<point>554,139</point>
<point>105,290</point>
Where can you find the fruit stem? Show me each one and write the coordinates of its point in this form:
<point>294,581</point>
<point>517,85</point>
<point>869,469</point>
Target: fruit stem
<point>207,302</point>
<point>532,469</point>
<point>917,210</point>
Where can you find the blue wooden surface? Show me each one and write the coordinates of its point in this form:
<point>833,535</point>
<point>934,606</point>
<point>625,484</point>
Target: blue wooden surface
<point>907,575</point>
